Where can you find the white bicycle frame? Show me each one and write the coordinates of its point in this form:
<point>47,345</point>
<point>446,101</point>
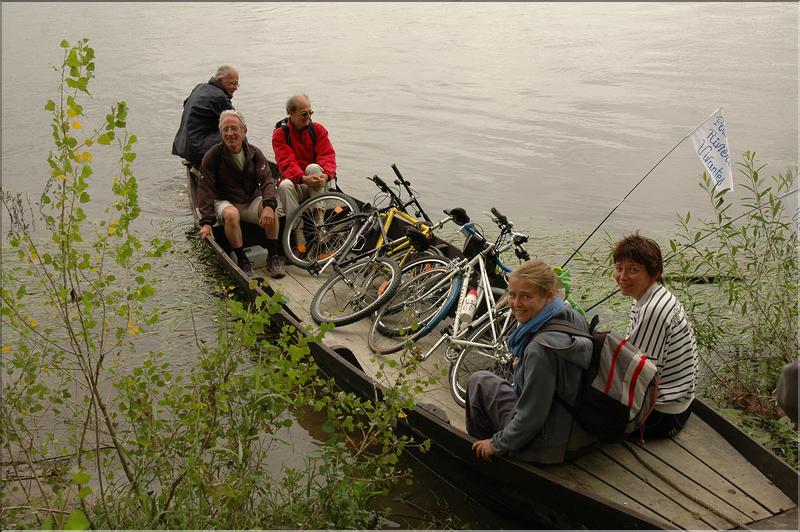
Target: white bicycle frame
<point>461,329</point>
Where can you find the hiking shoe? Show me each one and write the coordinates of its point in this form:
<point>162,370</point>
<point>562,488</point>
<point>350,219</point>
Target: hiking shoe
<point>246,266</point>
<point>276,267</point>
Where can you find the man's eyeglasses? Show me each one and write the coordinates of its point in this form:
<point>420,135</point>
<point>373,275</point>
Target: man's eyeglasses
<point>306,114</point>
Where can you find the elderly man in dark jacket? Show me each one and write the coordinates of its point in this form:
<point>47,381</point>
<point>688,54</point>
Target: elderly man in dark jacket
<point>236,185</point>
<point>201,110</point>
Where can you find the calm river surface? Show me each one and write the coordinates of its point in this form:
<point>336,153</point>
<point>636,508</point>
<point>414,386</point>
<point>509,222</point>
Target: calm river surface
<point>550,112</point>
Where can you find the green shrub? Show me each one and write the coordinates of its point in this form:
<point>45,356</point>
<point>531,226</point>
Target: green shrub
<point>91,439</point>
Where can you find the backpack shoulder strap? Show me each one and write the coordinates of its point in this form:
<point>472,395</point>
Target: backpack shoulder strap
<point>564,327</point>
<point>284,125</point>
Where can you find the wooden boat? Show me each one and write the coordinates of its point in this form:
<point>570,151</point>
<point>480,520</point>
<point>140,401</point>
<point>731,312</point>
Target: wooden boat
<point>710,476</point>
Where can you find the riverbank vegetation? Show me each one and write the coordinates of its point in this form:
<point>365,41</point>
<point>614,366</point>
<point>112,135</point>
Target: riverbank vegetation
<point>736,274</point>
<point>93,439</point>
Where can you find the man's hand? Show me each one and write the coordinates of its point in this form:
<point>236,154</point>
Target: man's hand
<point>315,181</point>
<point>206,231</point>
<point>267,217</point>
<point>483,449</point>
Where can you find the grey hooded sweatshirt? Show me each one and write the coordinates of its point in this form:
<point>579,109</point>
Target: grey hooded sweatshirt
<point>541,429</point>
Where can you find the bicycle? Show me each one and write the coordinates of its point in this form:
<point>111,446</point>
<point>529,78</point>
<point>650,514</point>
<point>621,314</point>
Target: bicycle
<point>365,280</point>
<point>323,227</point>
<point>423,302</point>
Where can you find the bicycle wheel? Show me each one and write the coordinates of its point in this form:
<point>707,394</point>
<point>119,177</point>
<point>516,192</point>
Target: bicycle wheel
<point>421,302</point>
<point>473,358</point>
<point>321,227</point>
<point>356,291</point>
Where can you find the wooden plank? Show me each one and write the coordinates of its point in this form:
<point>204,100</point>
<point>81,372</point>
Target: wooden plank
<point>612,473</point>
<point>705,444</point>
<point>670,452</point>
<point>681,489</point>
<point>591,483</point>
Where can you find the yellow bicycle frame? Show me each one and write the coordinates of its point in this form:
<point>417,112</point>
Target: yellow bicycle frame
<point>387,218</point>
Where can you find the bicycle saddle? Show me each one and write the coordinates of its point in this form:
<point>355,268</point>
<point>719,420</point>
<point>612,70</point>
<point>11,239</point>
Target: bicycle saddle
<point>459,215</point>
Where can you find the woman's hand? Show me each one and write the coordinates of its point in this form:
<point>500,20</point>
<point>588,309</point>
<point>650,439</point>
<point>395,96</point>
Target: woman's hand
<point>483,449</point>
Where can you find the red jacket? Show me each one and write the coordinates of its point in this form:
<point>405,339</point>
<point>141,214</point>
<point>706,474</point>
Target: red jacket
<point>292,160</point>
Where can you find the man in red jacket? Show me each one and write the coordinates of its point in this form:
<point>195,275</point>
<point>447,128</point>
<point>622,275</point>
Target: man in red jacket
<point>299,142</point>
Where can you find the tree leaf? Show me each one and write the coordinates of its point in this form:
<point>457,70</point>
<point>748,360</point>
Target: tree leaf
<point>76,521</point>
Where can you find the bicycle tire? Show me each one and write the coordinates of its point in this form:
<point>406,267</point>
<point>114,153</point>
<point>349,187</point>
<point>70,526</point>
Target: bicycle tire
<point>356,291</point>
<point>414,311</point>
<point>335,213</point>
<point>472,359</point>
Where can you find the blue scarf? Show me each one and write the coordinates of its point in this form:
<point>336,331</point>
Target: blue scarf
<point>519,338</point>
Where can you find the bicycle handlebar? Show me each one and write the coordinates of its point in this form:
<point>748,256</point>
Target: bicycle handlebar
<point>502,220</point>
<point>401,180</point>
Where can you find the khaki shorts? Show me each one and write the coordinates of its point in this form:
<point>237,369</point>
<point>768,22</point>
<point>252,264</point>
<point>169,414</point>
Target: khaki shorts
<point>247,212</point>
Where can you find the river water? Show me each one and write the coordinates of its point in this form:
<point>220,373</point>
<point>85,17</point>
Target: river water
<point>548,111</point>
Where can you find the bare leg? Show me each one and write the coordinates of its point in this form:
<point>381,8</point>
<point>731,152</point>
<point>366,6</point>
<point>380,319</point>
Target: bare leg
<point>233,231</point>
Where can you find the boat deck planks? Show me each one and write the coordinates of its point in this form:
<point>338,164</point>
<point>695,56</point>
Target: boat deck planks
<point>678,487</point>
<point>720,456</point>
<point>591,483</point>
<point>641,491</point>
<point>692,467</point>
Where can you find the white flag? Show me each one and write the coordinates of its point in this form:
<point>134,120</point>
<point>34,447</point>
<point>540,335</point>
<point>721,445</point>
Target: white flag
<point>710,142</point>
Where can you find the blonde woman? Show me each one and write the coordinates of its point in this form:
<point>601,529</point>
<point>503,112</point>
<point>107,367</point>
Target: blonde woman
<point>524,418</point>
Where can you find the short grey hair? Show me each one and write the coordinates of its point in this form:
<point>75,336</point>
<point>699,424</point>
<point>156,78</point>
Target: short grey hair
<point>232,112</point>
<point>222,71</point>
<point>291,103</point>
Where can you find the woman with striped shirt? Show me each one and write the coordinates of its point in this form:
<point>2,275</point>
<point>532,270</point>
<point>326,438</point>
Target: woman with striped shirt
<point>659,327</point>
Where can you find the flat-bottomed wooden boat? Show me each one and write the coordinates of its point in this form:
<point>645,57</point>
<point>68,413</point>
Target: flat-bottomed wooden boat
<point>709,476</point>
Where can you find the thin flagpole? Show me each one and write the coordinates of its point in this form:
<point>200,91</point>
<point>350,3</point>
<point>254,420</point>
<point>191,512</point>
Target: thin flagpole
<point>636,185</point>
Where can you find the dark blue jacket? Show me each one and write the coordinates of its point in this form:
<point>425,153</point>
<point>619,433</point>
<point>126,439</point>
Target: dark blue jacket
<point>199,128</point>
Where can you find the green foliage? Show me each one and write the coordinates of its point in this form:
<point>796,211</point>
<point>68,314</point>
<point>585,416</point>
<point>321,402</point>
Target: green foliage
<point>91,442</point>
<point>746,321</point>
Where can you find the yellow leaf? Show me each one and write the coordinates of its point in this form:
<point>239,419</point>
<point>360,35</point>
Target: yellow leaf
<point>6,349</point>
<point>34,324</point>
<point>61,177</point>
<point>34,255</point>
<point>112,230</point>
<point>76,124</point>
<point>401,415</point>
<point>86,156</point>
<point>71,112</point>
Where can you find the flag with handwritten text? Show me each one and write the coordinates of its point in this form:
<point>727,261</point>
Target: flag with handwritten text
<point>710,142</point>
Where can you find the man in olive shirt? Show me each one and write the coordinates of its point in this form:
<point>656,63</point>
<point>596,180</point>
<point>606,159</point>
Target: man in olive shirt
<point>236,185</point>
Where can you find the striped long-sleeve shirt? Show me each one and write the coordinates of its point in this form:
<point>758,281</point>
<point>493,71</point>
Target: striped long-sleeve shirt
<point>659,327</point>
